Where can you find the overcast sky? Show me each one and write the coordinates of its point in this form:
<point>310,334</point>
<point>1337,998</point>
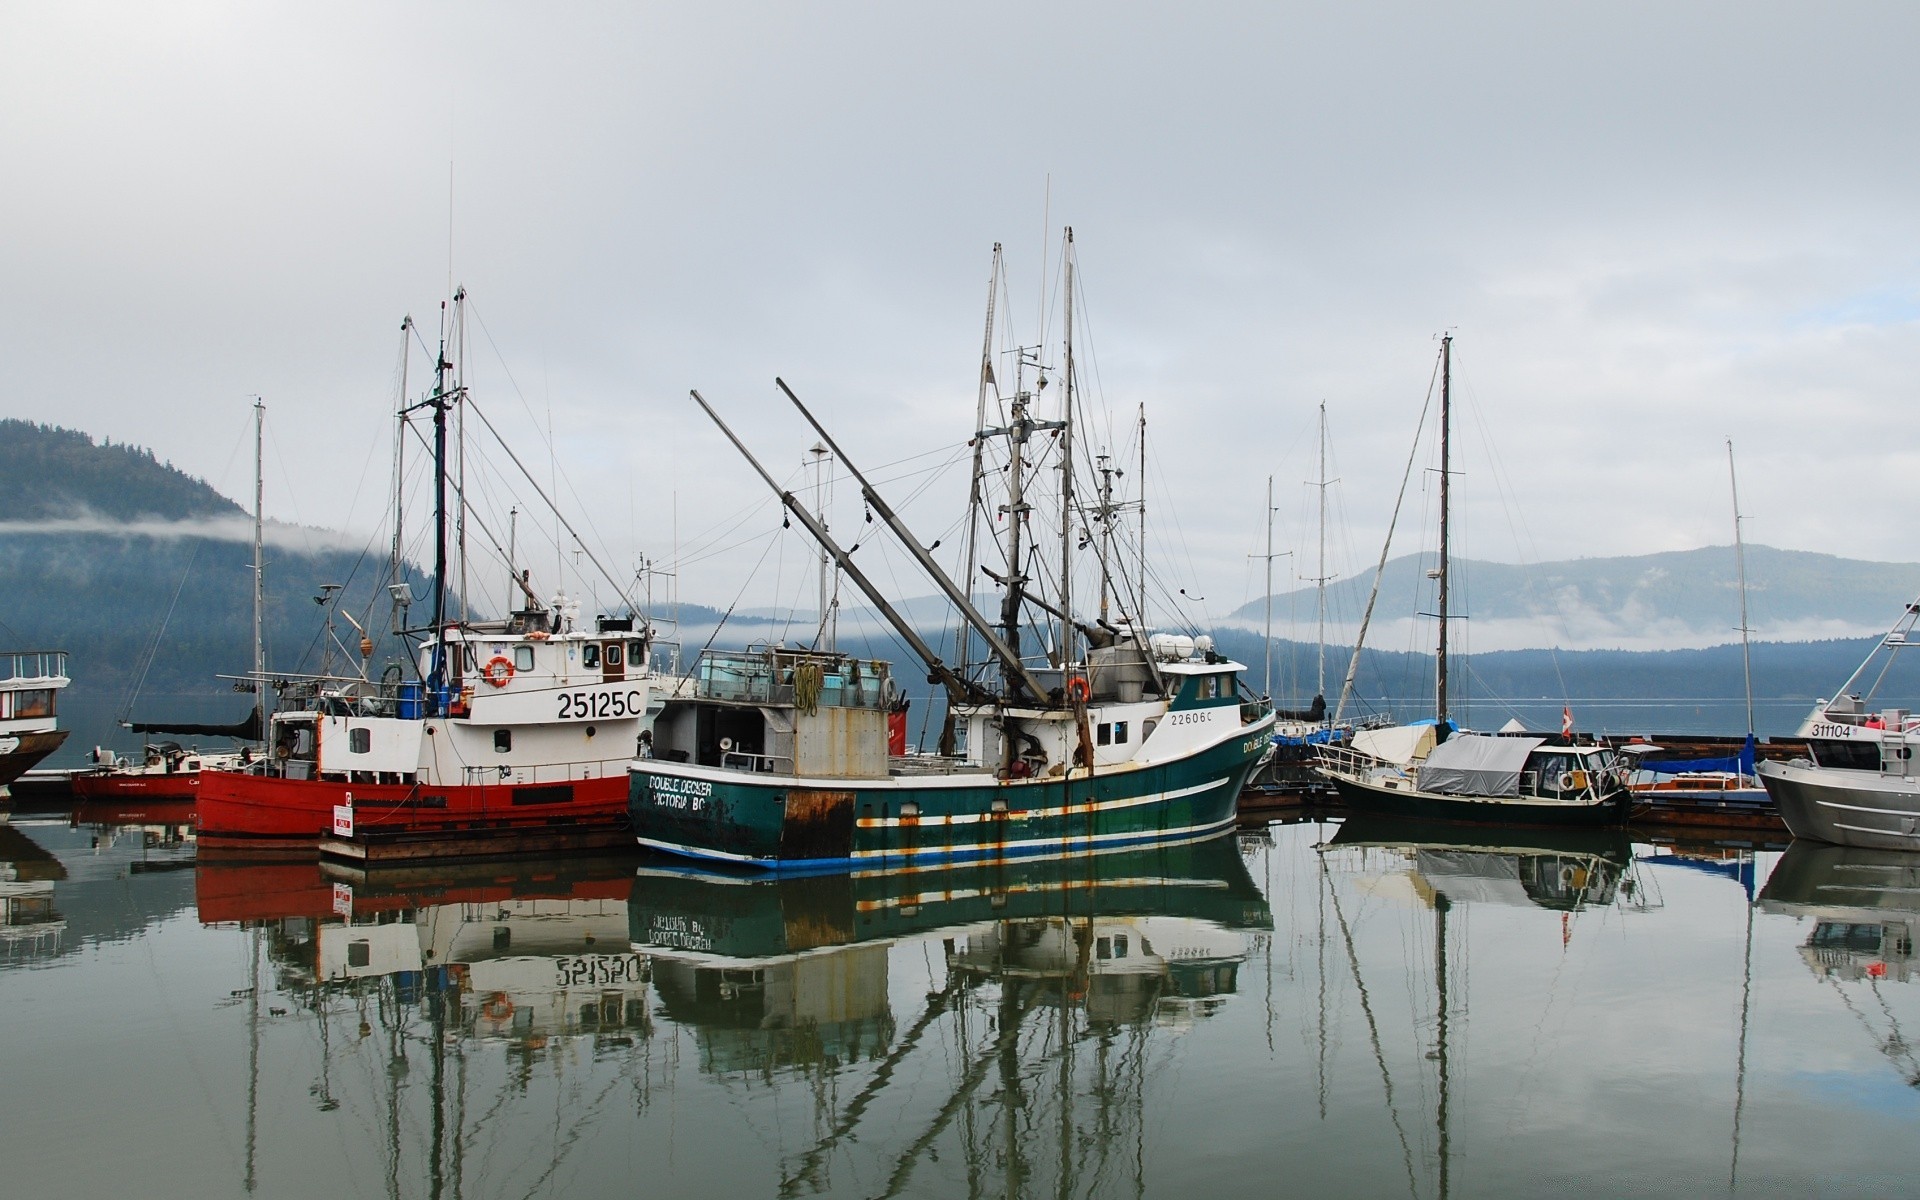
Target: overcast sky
<point>1650,227</point>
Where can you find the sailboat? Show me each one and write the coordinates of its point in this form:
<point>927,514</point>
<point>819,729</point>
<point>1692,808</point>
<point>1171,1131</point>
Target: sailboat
<point>779,758</point>
<point>494,726</point>
<point>1860,785</point>
<point>1430,771</point>
<point>168,771</point>
<point>1725,781</point>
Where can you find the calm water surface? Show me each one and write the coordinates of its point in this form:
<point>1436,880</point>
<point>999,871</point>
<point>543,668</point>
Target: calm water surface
<point>1308,1009</point>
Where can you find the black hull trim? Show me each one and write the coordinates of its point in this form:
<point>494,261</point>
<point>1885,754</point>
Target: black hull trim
<point>1427,806</point>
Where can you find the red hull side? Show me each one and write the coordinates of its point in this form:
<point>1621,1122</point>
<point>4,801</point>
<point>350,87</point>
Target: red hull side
<point>258,807</point>
<point>182,785</point>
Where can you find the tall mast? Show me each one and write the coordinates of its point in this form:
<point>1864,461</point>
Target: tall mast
<point>1140,613</point>
<point>1320,580</point>
<point>437,668</point>
<point>260,578</point>
<point>1740,558</point>
<point>1446,421</point>
<point>460,443</point>
<point>961,635</point>
<point>394,558</point>
<point>827,634</point>
<point>1269,635</point>
<point>1066,471</point>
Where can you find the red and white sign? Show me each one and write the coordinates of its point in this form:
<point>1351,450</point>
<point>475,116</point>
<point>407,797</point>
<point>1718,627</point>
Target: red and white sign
<point>343,820</point>
<point>343,899</point>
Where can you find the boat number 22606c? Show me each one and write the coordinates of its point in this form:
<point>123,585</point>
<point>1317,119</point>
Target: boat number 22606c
<point>581,706</point>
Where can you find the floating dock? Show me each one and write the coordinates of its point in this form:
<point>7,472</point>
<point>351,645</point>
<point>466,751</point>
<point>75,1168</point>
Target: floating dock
<point>371,848</point>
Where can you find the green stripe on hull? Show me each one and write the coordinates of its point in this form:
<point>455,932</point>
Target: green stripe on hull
<point>776,821</point>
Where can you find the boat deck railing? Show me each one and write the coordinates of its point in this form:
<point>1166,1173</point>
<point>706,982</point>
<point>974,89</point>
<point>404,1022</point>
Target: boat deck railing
<point>930,764</point>
<point>33,664</point>
<point>797,679</point>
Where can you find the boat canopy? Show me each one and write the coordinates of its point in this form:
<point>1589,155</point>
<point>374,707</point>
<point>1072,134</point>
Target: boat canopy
<point>1401,745</point>
<point>1477,764</point>
<point>1741,763</point>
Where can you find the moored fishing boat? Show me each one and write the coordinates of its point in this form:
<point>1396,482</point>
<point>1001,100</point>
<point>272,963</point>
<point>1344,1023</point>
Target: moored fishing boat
<point>1860,784</point>
<point>782,759</point>
<point>30,685</point>
<point>505,724</point>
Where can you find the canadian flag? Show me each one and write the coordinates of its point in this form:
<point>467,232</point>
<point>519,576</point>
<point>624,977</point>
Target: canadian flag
<point>1566,722</point>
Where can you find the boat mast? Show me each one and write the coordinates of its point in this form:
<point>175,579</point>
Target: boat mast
<point>1320,581</point>
<point>1269,556</point>
<point>1740,558</point>
<point>1017,675</point>
<point>938,671</point>
<point>1066,470</point>
<point>962,635</point>
<point>394,558</point>
<point>460,443</point>
<point>827,633</point>
<point>259,578</point>
<point>1446,415</point>
<point>1140,613</point>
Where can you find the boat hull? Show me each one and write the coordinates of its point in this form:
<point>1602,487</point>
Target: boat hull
<point>237,810</point>
<point>777,822</point>
<point>127,786</point>
<point>1363,797</point>
<point>27,751</point>
<point>1845,807</point>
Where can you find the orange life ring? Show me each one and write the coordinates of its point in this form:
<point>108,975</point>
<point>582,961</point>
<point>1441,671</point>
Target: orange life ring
<point>1077,689</point>
<point>497,671</point>
<point>497,1007</point>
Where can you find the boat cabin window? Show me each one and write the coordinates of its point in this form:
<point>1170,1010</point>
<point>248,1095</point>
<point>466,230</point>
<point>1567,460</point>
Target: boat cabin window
<point>33,702</point>
<point>636,653</point>
<point>503,740</point>
<point>1846,755</point>
<point>523,658</point>
<point>1147,728</point>
<point>1119,733</point>
<point>360,741</point>
<point>1104,734</point>
<point>1206,687</point>
<point>590,655</point>
<point>613,654</point>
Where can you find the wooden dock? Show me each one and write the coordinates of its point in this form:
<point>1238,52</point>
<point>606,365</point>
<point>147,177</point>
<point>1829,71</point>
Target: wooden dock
<point>371,849</point>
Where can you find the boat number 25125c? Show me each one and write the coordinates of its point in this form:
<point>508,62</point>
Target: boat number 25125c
<point>580,706</point>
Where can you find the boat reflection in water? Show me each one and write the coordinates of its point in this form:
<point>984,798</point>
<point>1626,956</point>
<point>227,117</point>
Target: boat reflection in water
<point>30,925</point>
<point>1562,869</point>
<point>1864,904</point>
<point>1046,982</point>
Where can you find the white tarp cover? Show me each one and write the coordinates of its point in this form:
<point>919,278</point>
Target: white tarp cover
<point>1472,764</point>
<point>1397,744</point>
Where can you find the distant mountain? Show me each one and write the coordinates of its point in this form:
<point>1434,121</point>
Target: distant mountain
<point>1668,600</point>
<point>49,473</point>
<point>144,575</point>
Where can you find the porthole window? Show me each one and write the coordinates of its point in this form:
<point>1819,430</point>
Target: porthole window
<point>503,740</point>
<point>360,741</point>
<point>523,658</point>
<point>613,654</point>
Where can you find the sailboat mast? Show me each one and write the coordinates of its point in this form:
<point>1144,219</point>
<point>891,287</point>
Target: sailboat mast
<point>1320,581</point>
<point>1066,473</point>
<point>460,443</point>
<point>1269,556</point>
<point>1446,429</point>
<point>260,578</point>
<point>1740,559</point>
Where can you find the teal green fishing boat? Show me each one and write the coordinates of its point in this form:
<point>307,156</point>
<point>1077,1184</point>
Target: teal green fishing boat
<point>795,759</point>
